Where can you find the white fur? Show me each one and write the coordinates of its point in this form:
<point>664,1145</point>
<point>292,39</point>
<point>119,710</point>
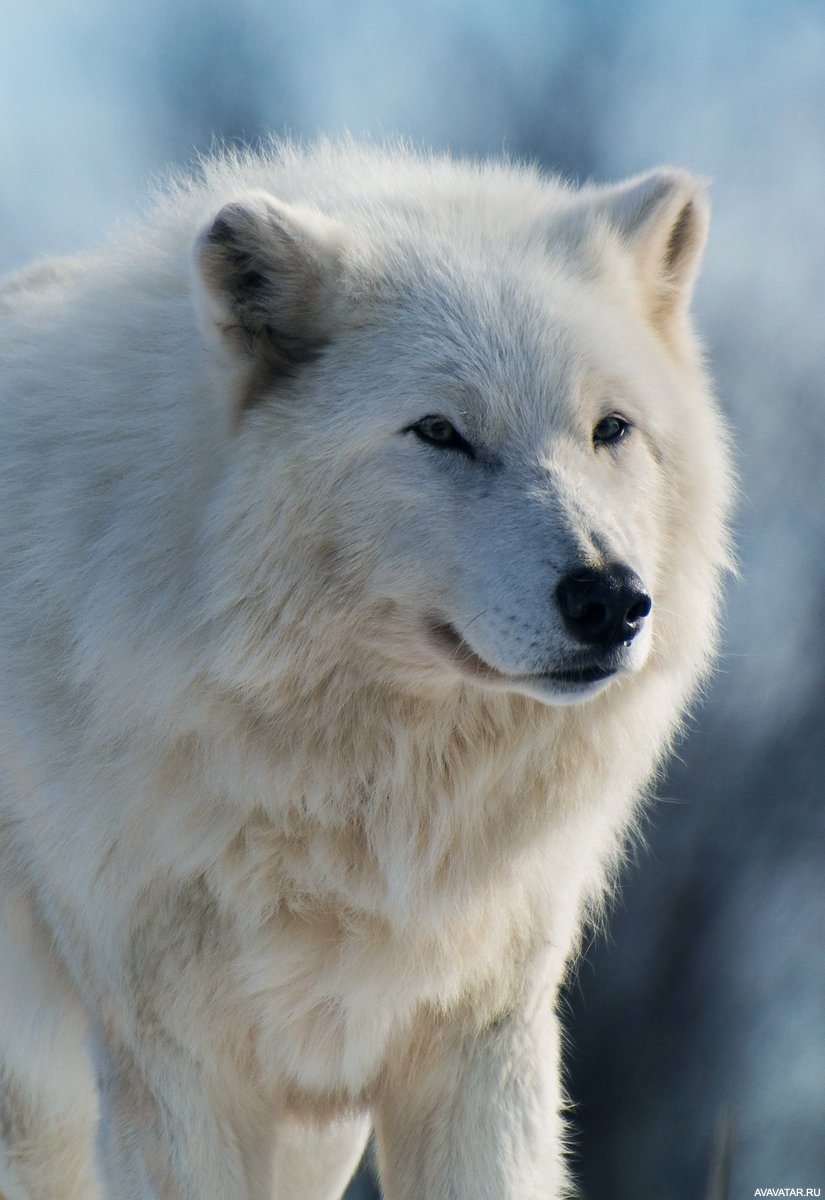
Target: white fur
<point>291,859</point>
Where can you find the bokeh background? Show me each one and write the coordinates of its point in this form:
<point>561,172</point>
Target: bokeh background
<point>704,1009</point>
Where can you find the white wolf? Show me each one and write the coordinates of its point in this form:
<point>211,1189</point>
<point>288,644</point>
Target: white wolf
<point>363,518</point>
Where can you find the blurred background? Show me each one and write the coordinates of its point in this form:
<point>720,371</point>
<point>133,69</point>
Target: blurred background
<point>704,1010</point>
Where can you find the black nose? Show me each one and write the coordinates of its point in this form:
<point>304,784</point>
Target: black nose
<point>603,607</point>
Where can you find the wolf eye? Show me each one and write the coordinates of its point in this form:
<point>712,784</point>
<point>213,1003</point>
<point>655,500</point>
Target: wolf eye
<point>437,431</point>
<point>610,430</point>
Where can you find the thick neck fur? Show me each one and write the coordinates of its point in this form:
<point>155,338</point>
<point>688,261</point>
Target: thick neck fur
<point>395,805</point>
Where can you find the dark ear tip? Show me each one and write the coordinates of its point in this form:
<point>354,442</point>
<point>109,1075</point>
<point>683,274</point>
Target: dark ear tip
<point>219,231</point>
<point>224,227</point>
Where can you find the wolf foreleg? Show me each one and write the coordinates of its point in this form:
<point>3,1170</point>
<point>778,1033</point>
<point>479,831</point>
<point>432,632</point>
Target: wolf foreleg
<point>475,1115</point>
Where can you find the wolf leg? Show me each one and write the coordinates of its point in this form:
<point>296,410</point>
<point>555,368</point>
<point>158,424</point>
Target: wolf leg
<point>474,1115</point>
<point>48,1105</point>
<point>313,1163</point>
<point>165,1135</point>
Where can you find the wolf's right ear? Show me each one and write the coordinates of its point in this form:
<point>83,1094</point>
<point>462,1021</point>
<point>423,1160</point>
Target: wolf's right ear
<point>266,280</point>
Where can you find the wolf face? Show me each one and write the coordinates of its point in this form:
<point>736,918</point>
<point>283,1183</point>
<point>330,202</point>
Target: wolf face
<point>503,400</point>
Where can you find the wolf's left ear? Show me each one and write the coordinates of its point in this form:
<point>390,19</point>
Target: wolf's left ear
<point>662,219</point>
<point>266,276</point>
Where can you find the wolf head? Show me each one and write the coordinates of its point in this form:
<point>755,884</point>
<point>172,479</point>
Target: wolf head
<point>474,441</point>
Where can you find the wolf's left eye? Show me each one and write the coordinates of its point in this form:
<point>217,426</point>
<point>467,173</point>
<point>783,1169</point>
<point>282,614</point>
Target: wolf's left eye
<point>438,431</point>
<point>610,430</point>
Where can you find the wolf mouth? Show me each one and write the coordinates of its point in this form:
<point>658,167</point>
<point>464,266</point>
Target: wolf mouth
<point>582,675</point>
<point>446,638</point>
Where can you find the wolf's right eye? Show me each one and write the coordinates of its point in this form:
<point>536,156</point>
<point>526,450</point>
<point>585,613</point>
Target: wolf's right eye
<point>610,429</point>
<point>438,431</point>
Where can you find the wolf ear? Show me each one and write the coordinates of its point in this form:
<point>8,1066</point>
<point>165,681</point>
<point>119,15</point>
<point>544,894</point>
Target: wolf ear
<point>266,276</point>
<point>662,219</point>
